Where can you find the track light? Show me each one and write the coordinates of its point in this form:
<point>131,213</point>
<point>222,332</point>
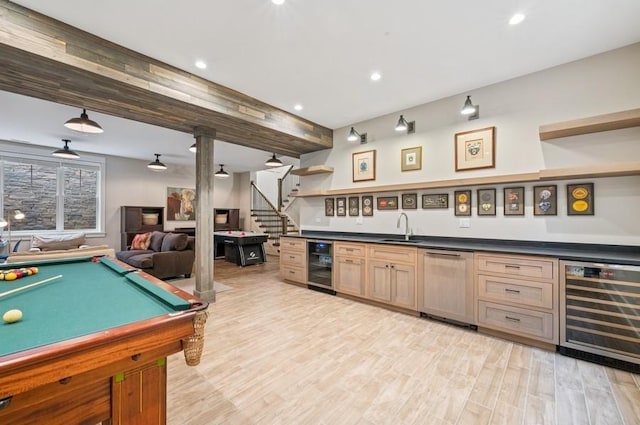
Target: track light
<point>273,162</point>
<point>404,125</point>
<point>354,136</point>
<point>221,173</point>
<point>193,148</point>
<point>84,124</point>
<point>156,165</point>
<point>65,152</point>
<point>473,111</point>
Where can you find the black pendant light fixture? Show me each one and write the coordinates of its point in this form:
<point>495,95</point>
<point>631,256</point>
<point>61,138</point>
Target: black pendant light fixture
<point>221,173</point>
<point>84,124</point>
<point>273,162</point>
<point>157,165</point>
<point>65,152</point>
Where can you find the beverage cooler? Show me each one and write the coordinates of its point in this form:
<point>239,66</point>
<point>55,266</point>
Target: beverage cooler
<point>319,264</point>
<point>600,313</point>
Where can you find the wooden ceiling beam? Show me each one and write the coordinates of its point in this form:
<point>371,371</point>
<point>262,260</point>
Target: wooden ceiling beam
<point>50,60</point>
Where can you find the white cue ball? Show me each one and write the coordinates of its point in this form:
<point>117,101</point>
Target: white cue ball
<point>12,316</point>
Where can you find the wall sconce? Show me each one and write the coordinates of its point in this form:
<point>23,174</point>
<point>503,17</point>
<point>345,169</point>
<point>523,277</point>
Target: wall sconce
<point>193,148</point>
<point>83,124</point>
<point>221,173</point>
<point>473,111</point>
<point>273,162</point>
<point>156,165</point>
<point>354,136</point>
<point>17,215</point>
<point>65,152</point>
<point>404,125</point>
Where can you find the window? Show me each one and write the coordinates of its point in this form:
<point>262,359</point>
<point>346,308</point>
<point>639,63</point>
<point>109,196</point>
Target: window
<point>54,195</point>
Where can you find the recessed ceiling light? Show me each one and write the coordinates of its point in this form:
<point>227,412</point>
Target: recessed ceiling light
<point>201,64</point>
<point>278,2</point>
<point>516,19</point>
<point>375,76</point>
<point>297,107</point>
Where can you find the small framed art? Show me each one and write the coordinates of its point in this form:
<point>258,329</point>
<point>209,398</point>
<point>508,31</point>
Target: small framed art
<point>387,202</point>
<point>367,206</point>
<point>411,159</point>
<point>580,199</point>
<point>514,200</point>
<point>486,202</point>
<point>354,205</point>
<point>545,200</point>
<point>462,202</point>
<point>475,149</point>
<point>341,207</point>
<point>364,166</point>
<point>329,207</point>
<point>409,201</point>
<point>435,200</point>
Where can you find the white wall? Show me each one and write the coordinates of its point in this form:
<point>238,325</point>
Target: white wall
<point>601,84</point>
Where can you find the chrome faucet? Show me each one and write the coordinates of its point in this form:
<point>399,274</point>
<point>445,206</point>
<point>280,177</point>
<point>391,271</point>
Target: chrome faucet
<point>406,225</point>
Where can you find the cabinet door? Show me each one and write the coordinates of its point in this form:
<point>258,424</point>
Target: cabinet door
<point>132,219</point>
<point>446,285</point>
<point>349,275</point>
<point>379,285</point>
<point>403,285</point>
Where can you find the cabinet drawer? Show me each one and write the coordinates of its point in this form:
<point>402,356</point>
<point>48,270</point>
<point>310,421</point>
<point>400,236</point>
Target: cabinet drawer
<point>349,249</point>
<point>292,258</point>
<point>543,268</point>
<point>292,244</point>
<point>393,254</point>
<point>295,274</point>
<point>524,292</point>
<point>519,321</point>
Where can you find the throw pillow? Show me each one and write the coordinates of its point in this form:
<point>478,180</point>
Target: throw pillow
<point>141,241</point>
<point>175,242</point>
<point>57,242</point>
<point>156,240</point>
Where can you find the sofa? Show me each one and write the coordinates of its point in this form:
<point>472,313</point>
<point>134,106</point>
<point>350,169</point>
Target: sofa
<point>56,246</point>
<point>161,254</point>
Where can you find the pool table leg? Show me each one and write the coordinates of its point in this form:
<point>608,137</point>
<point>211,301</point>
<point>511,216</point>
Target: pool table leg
<point>140,395</point>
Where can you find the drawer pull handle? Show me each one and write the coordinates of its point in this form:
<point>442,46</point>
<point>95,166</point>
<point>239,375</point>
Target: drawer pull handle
<point>349,249</point>
<point>292,272</point>
<point>511,266</point>
<point>513,291</point>
<point>291,257</point>
<point>442,254</point>
<point>348,261</point>
<point>65,381</point>
<point>512,319</point>
<point>5,402</point>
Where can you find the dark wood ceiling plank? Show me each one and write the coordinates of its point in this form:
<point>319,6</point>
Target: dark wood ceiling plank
<point>48,59</point>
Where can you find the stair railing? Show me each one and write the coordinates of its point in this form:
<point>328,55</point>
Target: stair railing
<point>286,186</point>
<point>259,202</point>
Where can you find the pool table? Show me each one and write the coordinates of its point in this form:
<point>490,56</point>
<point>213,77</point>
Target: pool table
<point>93,343</point>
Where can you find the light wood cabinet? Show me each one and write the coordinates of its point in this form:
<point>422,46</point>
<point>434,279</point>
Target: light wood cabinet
<point>518,294</point>
<point>349,268</point>
<point>391,275</point>
<point>293,259</point>
<point>445,285</point>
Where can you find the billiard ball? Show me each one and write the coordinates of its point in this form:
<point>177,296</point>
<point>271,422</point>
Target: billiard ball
<point>12,316</point>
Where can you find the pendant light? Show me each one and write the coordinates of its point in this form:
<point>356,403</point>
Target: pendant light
<point>273,162</point>
<point>84,124</point>
<point>65,152</point>
<point>221,173</point>
<point>157,165</point>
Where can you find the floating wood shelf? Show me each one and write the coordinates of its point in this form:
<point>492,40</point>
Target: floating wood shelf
<point>614,121</point>
<point>595,171</point>
<point>314,169</point>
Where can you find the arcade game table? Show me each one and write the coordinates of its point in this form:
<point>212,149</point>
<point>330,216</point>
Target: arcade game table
<point>92,343</point>
<point>242,248</point>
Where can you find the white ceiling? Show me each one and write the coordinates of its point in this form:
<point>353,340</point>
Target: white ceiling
<point>320,53</point>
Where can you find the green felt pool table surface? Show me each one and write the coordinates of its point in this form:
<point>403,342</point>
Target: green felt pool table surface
<point>89,297</point>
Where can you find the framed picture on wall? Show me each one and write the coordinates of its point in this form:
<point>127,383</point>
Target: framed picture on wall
<point>329,207</point>
<point>354,205</point>
<point>409,201</point>
<point>486,202</point>
<point>462,202</point>
<point>411,159</point>
<point>475,149</point>
<point>364,166</point>
<point>435,200</point>
<point>580,199</point>
<point>514,200</point>
<point>387,202</point>
<point>545,200</point>
<point>341,207</point>
<point>367,206</point>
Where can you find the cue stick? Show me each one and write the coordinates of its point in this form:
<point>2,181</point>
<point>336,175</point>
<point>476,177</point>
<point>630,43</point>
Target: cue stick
<point>13,291</point>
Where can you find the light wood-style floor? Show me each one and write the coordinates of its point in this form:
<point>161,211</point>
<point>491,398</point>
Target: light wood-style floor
<point>280,354</point>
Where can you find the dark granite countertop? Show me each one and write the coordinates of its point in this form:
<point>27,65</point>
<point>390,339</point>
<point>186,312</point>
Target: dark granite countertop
<point>612,254</point>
